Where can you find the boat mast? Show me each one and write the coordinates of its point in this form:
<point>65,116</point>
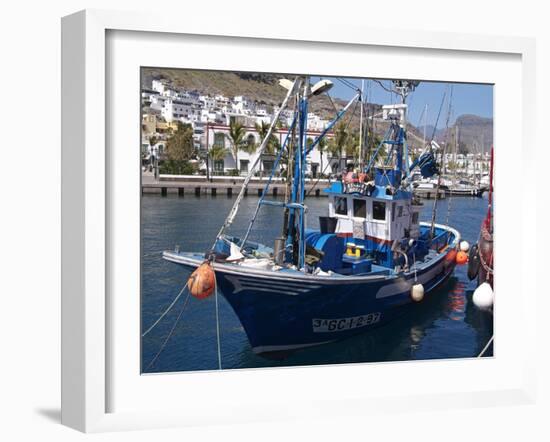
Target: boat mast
<point>361,137</point>
<point>403,88</point>
<point>436,196</point>
<point>296,225</point>
<point>425,122</point>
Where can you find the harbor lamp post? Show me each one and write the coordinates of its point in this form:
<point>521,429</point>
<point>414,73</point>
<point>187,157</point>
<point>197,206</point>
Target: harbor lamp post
<point>156,162</point>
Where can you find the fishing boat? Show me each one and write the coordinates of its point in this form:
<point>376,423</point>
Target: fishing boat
<point>481,261</point>
<point>369,262</point>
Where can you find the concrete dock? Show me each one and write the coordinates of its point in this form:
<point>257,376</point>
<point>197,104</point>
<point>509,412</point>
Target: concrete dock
<point>222,186</point>
<point>230,186</point>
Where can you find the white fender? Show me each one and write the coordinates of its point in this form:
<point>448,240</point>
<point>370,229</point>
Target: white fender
<point>484,297</point>
<point>417,292</point>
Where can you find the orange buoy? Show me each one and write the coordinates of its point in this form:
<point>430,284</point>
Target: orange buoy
<point>461,257</point>
<point>202,281</point>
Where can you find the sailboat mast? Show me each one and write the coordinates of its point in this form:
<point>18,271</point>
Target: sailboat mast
<point>425,122</point>
<point>436,196</point>
<point>361,137</point>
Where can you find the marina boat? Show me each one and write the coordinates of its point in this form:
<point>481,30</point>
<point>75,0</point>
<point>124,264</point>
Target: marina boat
<point>369,262</point>
<point>464,188</point>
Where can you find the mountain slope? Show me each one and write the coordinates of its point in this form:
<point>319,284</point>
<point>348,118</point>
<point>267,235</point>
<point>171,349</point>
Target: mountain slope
<point>264,89</point>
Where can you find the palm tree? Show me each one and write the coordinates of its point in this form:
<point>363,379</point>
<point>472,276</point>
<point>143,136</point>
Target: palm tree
<point>322,146</point>
<point>262,128</point>
<point>338,144</point>
<point>250,146</point>
<point>352,146</point>
<point>217,153</point>
<point>236,138</point>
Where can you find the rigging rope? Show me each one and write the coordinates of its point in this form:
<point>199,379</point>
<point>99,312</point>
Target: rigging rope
<point>382,86</point>
<point>163,346</point>
<point>486,347</point>
<point>348,83</point>
<point>330,98</point>
<point>266,187</point>
<point>235,208</point>
<point>434,208</point>
<point>166,311</point>
<point>450,200</point>
<point>339,158</point>
<point>169,334</point>
<point>217,324</point>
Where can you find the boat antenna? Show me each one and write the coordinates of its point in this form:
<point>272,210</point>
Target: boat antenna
<point>404,88</point>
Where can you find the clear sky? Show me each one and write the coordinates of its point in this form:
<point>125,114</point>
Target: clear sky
<point>476,99</point>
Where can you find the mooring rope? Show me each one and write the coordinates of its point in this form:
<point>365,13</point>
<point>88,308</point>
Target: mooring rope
<point>217,324</point>
<point>171,331</point>
<point>167,310</point>
<point>486,347</point>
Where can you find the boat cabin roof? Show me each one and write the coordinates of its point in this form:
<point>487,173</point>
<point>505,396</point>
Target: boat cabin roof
<point>359,191</point>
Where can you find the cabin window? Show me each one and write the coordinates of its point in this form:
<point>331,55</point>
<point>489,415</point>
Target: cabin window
<point>340,206</point>
<point>379,210</point>
<point>415,218</point>
<point>400,211</point>
<point>393,212</point>
<point>359,208</point>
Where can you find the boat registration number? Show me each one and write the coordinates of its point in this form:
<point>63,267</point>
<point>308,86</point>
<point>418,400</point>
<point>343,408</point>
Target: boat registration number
<point>341,324</point>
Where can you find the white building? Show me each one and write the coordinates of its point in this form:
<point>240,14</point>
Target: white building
<point>159,86</point>
<point>208,102</point>
<point>261,116</point>
<point>175,110</point>
<point>314,122</point>
<point>157,101</point>
<point>240,105</point>
<point>217,135</point>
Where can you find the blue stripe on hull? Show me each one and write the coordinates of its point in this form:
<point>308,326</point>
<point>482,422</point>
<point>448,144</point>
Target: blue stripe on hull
<point>285,315</point>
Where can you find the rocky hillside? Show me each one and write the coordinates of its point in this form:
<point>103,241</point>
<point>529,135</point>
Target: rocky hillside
<point>475,132</point>
<point>263,88</point>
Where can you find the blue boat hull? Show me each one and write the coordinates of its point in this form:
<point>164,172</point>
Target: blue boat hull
<point>281,313</point>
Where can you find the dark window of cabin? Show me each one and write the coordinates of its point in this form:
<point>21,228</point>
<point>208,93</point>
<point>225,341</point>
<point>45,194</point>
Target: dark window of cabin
<point>400,211</point>
<point>340,206</point>
<point>379,210</point>
<point>415,218</point>
<point>393,212</point>
<point>359,208</point>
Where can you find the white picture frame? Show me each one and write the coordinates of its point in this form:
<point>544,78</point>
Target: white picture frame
<point>86,208</point>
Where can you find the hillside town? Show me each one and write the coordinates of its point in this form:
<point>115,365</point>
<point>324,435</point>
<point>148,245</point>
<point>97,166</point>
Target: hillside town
<point>224,133</point>
<point>211,119</point>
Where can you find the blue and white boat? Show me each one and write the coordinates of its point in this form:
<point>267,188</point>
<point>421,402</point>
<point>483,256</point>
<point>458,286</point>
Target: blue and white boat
<point>370,262</point>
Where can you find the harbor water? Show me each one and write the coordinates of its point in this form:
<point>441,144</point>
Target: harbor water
<point>445,325</point>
